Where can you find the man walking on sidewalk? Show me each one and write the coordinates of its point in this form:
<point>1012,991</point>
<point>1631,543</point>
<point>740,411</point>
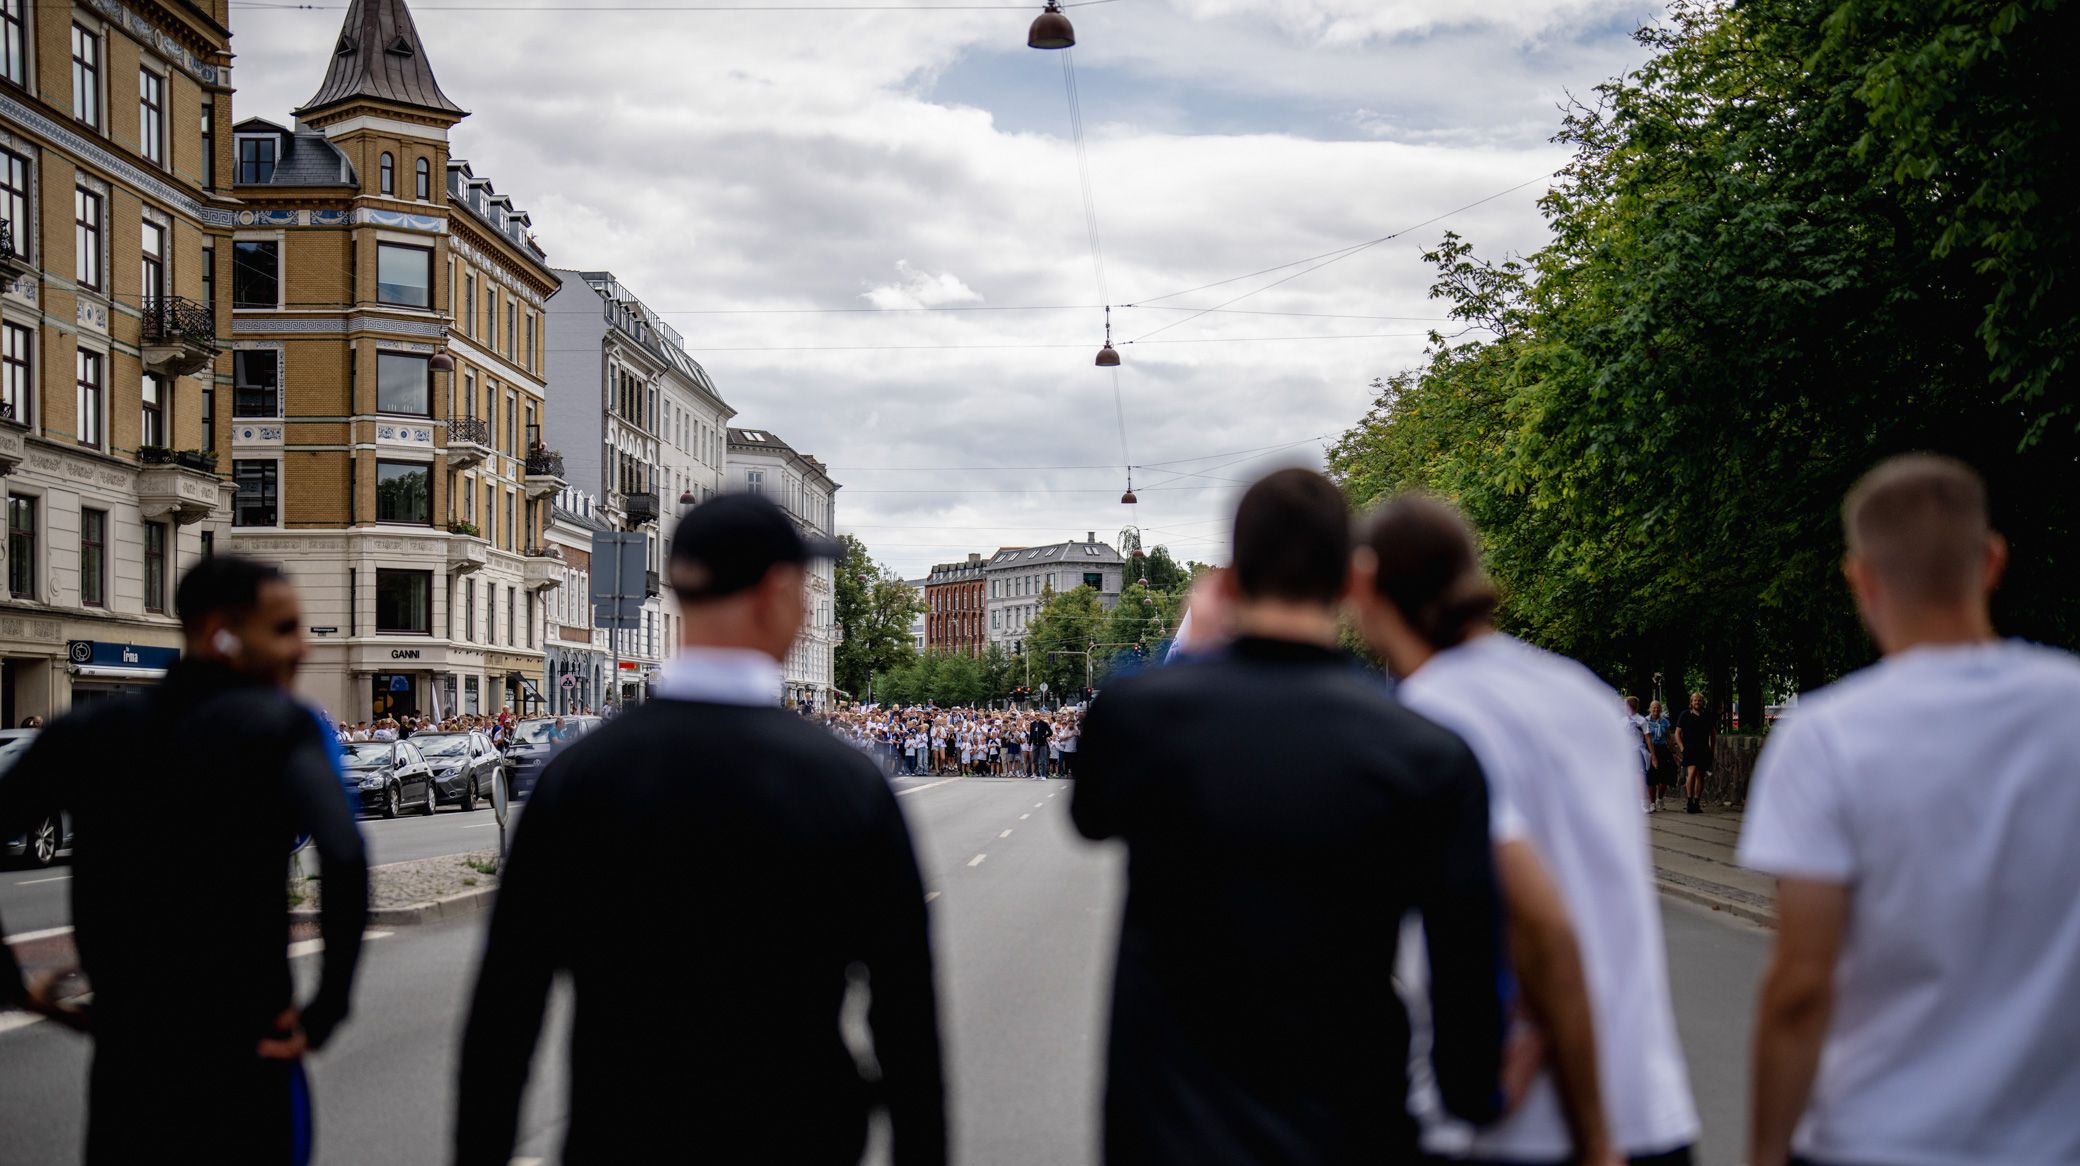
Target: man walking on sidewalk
<point>753,863</point>
<point>1694,743</point>
<point>1253,1020</point>
<point>1920,1001</point>
<point>197,1043</point>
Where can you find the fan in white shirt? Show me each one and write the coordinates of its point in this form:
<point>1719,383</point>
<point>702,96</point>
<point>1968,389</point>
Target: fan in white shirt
<point>1564,778</point>
<point>1922,1004</point>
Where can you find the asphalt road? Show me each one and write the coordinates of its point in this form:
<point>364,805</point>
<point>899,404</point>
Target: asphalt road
<point>1024,915</point>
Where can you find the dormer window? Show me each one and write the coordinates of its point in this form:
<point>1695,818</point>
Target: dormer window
<point>345,47</point>
<point>401,47</point>
<point>256,158</point>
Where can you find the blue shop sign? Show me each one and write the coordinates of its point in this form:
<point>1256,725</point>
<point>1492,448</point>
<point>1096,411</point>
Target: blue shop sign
<point>96,653</point>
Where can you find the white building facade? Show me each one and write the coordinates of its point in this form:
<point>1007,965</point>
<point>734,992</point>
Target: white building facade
<point>761,463</point>
<point>1021,579</point>
<point>578,655</point>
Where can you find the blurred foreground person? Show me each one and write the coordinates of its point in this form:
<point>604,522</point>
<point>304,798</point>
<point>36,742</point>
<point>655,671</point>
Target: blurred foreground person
<point>1252,1016</point>
<point>1922,1004</point>
<point>1563,770</point>
<point>197,1047</point>
<point>756,860</point>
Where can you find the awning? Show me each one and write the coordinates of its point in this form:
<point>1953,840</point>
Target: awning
<point>112,672</point>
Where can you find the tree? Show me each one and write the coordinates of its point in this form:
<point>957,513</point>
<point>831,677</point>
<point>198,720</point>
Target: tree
<point>873,609</point>
<point>1135,630</point>
<point>1057,638</point>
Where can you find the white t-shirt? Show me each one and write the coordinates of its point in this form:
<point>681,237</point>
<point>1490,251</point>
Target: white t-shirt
<point>1942,786</point>
<point>1563,774</point>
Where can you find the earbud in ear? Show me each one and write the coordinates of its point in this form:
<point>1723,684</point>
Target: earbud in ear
<point>227,644</point>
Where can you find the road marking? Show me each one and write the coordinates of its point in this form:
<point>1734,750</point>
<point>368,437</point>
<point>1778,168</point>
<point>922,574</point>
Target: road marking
<point>1005,834</point>
<point>52,879</point>
<point>977,860</point>
<point>1023,817</point>
<point>480,826</point>
<point>918,789</point>
<point>930,895</point>
<point>10,1021</point>
<point>526,1162</point>
<point>314,946</point>
<point>1037,805</point>
<point>33,936</point>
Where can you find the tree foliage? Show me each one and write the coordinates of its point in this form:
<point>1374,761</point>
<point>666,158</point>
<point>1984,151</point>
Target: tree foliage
<point>873,609</point>
<point>1806,235</point>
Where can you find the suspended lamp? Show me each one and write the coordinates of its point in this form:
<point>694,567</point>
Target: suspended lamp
<point>1051,29</point>
<point>686,498</point>
<point>441,362</point>
<point>1128,499</point>
<point>1108,356</point>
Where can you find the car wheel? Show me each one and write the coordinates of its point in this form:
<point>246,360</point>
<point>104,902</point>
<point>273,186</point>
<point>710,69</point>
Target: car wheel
<point>46,840</point>
<point>393,801</point>
<point>433,795</point>
<point>469,797</point>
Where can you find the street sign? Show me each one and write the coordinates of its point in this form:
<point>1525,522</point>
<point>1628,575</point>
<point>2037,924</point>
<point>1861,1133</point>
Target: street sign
<point>619,560</point>
<point>570,680</point>
<point>324,631</point>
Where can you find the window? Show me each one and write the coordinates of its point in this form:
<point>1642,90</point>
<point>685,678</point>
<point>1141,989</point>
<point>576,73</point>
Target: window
<point>757,481</point>
<point>209,278</point>
<point>388,170</point>
<point>256,273</point>
<point>209,143</point>
<point>21,546</point>
<point>1094,580</point>
<point>404,275</point>
<point>530,619</point>
<point>256,378</point>
<point>14,42</point>
<point>469,304</point>
<point>151,115</point>
<point>17,373</point>
<point>469,611</point>
<point>530,359</point>
<point>404,602</point>
<point>512,527</point>
<point>152,250</point>
<point>93,558</point>
<point>14,196</point>
<point>152,430</point>
<point>512,332</point>
<point>404,384</point>
<point>469,394</point>
<point>90,368</point>
<point>155,566</point>
<point>404,492</point>
<point>256,160</point>
<point>86,76</point>
<point>491,317</point>
<point>512,424</point>
<point>255,505</point>
<point>209,416</point>
<point>86,238</point>
<point>422,181</point>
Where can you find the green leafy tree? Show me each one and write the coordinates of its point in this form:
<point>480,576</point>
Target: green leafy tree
<point>873,610</point>
<point>1056,639</point>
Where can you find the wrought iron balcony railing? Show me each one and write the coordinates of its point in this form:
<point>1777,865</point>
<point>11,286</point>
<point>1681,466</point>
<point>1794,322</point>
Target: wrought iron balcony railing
<point>7,255</point>
<point>175,320</point>
<point>545,462</point>
<point>469,431</point>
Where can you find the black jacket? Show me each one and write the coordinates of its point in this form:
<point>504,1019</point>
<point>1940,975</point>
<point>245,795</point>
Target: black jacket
<point>1281,814</point>
<point>708,875</point>
<point>185,802</point>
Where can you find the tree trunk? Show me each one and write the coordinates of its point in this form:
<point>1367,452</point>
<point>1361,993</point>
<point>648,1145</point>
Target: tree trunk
<point>1748,679</point>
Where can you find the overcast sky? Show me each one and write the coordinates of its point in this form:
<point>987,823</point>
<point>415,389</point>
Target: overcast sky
<point>719,162</point>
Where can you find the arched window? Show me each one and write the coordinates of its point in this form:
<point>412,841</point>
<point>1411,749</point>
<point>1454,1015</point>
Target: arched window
<point>424,192</point>
<point>389,172</point>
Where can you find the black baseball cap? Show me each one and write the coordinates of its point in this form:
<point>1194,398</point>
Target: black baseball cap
<point>729,542</point>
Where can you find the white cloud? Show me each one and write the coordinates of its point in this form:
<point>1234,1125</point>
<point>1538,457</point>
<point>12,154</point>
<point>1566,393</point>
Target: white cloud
<point>765,161</point>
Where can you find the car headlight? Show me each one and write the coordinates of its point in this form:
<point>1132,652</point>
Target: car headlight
<point>372,781</point>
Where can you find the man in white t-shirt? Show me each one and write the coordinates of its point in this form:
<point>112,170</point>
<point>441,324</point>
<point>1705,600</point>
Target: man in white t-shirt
<point>1922,1004</point>
<point>1562,763</point>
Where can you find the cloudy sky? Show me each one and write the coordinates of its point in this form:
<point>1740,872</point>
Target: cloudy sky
<point>726,165</point>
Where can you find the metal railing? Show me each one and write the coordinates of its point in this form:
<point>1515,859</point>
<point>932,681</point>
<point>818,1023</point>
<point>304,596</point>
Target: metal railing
<point>545,462</point>
<point>469,431</point>
<point>640,508</point>
<point>7,253</point>
<point>174,318</point>
<point>545,553</point>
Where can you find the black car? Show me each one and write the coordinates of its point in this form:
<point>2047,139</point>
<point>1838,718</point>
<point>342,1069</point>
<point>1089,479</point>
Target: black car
<point>532,743</point>
<point>464,765</point>
<point>52,833</point>
<point>383,777</point>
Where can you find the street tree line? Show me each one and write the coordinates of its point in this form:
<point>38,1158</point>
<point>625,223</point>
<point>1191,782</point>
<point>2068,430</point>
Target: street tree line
<point>1805,235</point>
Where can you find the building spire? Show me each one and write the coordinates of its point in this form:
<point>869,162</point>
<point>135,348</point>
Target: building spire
<point>378,57</point>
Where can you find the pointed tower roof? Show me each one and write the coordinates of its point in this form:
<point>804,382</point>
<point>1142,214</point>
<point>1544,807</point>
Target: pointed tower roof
<point>379,57</point>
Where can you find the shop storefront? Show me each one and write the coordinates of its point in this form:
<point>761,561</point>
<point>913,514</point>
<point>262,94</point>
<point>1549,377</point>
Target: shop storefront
<point>49,664</point>
<point>101,670</point>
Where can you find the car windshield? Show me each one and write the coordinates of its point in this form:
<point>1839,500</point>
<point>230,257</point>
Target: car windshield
<point>444,745</point>
<point>12,749</point>
<point>535,732</point>
<point>367,754</point>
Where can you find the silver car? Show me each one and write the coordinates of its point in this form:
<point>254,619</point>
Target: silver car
<point>51,836</point>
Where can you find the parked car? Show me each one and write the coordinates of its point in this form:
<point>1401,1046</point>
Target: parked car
<point>464,765</point>
<point>387,776</point>
<point>51,836</point>
<point>533,742</point>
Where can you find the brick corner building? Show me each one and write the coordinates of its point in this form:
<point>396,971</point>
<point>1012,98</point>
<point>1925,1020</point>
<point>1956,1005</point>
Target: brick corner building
<point>955,606</point>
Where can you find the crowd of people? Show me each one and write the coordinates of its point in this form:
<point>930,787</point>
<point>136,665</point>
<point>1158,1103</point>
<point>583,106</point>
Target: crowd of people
<point>929,741</point>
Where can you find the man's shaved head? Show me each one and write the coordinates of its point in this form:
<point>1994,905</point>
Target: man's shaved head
<point>1920,522</point>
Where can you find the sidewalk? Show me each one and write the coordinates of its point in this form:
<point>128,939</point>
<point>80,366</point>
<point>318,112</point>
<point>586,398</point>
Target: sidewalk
<point>1693,859</point>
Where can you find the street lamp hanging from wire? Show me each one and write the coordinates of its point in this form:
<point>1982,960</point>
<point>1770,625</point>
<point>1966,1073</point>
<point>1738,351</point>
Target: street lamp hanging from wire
<point>1051,29</point>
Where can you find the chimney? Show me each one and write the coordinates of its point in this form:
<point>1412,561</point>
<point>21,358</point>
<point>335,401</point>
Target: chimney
<point>974,559</point>
<point>1090,536</point>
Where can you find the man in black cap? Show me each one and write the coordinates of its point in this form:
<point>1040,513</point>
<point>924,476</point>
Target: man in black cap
<point>756,862</point>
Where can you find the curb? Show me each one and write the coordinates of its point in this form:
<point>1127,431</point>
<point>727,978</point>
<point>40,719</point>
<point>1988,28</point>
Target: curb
<point>413,914</point>
<point>1724,899</point>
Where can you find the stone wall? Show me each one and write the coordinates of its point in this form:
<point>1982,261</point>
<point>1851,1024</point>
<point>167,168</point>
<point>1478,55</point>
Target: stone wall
<point>1733,766</point>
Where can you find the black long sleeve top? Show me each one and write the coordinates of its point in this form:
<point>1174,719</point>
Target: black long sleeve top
<point>1281,815</point>
<point>709,876</point>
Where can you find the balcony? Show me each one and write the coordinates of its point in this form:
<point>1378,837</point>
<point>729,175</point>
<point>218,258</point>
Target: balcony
<point>467,553</point>
<point>469,442</point>
<point>182,494</point>
<point>14,444</point>
<point>11,262</point>
<point>544,473</point>
<point>180,336</point>
<point>651,585</point>
<point>543,570</point>
<point>640,508</point>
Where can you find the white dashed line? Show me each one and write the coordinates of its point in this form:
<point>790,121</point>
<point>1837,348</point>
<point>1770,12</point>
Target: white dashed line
<point>977,860</point>
<point>33,936</point>
<point>1037,805</point>
<point>314,946</point>
<point>1023,817</point>
<point>930,895</point>
<point>918,789</point>
<point>1005,834</point>
<point>52,879</point>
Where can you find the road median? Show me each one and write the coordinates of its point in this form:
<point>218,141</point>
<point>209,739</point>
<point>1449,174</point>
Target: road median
<point>404,894</point>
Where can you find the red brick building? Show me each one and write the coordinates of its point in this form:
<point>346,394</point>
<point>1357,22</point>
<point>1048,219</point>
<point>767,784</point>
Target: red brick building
<point>955,608</point>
